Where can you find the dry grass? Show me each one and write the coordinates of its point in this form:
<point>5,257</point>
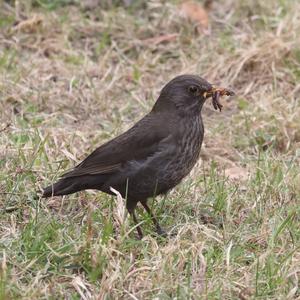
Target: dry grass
<point>72,79</point>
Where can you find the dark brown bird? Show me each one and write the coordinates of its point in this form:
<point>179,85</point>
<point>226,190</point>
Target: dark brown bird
<point>154,155</point>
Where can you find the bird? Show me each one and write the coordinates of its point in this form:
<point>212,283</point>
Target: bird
<point>154,155</point>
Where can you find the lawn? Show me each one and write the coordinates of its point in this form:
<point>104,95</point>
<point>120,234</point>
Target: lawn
<point>74,74</point>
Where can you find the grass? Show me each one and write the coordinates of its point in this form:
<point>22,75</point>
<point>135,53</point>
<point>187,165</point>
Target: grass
<point>73,78</point>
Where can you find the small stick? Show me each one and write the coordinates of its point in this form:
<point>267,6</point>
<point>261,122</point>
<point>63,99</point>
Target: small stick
<point>5,127</point>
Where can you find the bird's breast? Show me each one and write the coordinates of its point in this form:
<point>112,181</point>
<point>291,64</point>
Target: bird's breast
<point>188,149</point>
<point>164,170</point>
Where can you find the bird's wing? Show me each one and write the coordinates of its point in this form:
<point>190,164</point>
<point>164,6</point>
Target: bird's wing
<point>139,142</point>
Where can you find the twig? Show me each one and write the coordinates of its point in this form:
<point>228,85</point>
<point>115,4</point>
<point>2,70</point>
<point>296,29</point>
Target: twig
<point>5,127</point>
<point>11,208</point>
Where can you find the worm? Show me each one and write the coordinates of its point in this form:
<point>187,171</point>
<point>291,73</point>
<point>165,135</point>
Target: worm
<point>216,93</point>
<point>215,100</point>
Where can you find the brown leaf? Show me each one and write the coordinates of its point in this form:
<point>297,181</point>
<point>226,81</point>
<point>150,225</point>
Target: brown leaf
<point>195,13</point>
<point>30,25</point>
<point>236,174</point>
<point>160,39</point>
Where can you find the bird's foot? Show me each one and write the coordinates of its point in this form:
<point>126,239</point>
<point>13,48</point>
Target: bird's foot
<point>161,232</point>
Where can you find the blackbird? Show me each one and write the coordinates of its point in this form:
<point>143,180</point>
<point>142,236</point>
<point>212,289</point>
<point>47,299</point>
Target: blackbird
<point>151,157</point>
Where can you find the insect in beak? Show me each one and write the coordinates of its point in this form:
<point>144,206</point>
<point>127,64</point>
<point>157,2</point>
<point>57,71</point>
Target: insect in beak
<point>216,93</point>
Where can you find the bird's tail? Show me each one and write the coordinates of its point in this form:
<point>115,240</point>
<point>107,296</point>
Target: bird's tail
<point>70,185</point>
<point>64,186</point>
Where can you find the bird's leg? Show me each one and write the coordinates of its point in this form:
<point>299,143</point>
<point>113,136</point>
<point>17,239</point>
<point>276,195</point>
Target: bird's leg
<point>138,228</point>
<point>159,230</point>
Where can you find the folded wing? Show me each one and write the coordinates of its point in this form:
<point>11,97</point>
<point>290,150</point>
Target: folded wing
<point>139,142</point>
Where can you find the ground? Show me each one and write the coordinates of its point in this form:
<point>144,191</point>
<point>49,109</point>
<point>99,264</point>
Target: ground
<point>75,74</point>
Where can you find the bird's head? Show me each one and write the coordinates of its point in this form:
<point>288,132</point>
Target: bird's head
<point>187,93</point>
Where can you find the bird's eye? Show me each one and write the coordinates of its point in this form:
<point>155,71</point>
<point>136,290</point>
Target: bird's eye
<point>193,89</point>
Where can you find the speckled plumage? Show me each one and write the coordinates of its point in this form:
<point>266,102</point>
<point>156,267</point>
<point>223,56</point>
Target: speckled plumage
<point>153,156</point>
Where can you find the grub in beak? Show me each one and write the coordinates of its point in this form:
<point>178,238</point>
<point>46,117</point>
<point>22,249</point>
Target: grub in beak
<point>216,93</point>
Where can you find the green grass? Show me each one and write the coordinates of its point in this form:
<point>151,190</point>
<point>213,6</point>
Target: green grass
<point>79,78</point>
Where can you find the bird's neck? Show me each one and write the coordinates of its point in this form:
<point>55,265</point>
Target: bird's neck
<point>192,111</point>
